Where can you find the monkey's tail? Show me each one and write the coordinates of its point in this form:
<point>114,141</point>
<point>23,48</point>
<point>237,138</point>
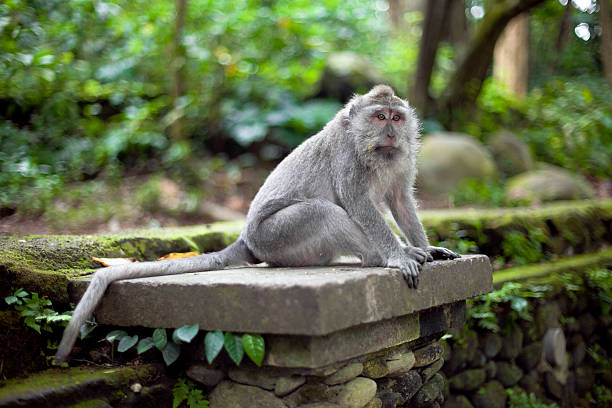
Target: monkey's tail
<point>234,255</point>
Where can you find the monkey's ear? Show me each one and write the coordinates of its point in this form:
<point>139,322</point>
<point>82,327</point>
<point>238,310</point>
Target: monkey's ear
<point>353,106</point>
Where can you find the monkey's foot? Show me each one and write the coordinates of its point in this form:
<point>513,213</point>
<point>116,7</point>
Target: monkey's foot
<point>441,253</point>
<point>410,270</point>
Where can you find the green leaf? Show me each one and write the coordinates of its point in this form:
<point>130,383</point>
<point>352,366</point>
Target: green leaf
<point>213,343</point>
<point>233,346</point>
<point>160,338</point>
<point>254,347</point>
<point>175,337</point>
<point>171,352</point>
<point>145,344</point>
<point>86,329</point>
<point>21,293</point>
<point>11,299</point>
<point>187,333</point>
<point>126,343</point>
<point>115,334</point>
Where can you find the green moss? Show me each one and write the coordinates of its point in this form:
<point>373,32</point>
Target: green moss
<point>45,264</point>
<point>74,384</point>
<point>549,272</point>
<point>573,226</point>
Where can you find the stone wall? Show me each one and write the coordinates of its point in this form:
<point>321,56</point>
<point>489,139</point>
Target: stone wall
<point>559,356</point>
<point>402,376</point>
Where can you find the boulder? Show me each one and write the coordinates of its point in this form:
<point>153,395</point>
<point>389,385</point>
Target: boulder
<point>511,154</point>
<point>447,158</point>
<point>490,395</point>
<point>548,183</point>
<point>232,395</point>
<point>347,73</point>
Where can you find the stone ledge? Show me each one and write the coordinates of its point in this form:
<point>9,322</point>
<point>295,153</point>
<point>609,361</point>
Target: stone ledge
<point>289,301</point>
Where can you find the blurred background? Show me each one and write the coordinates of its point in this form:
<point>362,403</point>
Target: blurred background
<point>119,114</point>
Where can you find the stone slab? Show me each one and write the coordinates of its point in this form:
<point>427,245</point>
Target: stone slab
<point>313,301</point>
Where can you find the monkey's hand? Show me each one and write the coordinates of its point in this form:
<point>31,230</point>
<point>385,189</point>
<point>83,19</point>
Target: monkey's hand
<point>410,269</point>
<point>421,255</point>
<point>441,253</point>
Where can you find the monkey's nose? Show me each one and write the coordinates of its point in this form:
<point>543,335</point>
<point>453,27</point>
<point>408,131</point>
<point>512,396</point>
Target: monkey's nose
<point>390,136</point>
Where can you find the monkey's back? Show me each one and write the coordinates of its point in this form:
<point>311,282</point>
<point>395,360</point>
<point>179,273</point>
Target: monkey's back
<point>304,174</point>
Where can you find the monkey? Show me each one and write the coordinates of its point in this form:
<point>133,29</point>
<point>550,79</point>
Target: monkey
<point>324,200</point>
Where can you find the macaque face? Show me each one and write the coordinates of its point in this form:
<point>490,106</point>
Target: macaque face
<point>384,130</point>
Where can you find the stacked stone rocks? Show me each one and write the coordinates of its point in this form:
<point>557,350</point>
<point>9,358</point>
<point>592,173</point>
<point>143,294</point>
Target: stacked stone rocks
<point>532,356</point>
<point>407,376</point>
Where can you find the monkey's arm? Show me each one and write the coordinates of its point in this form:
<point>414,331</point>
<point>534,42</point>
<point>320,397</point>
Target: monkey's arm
<point>355,200</point>
<point>403,209</point>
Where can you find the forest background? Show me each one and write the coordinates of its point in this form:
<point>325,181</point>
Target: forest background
<point>120,114</point>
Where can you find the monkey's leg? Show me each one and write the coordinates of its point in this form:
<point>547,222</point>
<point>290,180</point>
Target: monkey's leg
<point>310,232</point>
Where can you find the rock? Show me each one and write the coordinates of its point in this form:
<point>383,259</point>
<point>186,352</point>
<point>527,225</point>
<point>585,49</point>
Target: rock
<point>553,347</point>
<point>458,401</point>
<point>511,154</point>
<point>508,374</point>
<point>228,394</point>
<point>356,393</point>
<point>585,378</point>
<point>490,395</point>
<point>530,356</point>
<point>204,374</point>
<point>428,393</point>
<point>478,360</point>
<point>491,344</point>
<point>554,387</point>
<point>531,384</point>
<point>405,386</point>
<point>427,355</point>
<point>511,344</point>
<point>286,385</point>
<point>549,183</point>
<point>468,380</point>
<point>448,158</point>
<point>347,73</point>
<point>587,324</point>
<point>375,368</point>
<point>320,405</point>
<point>390,399</point>
<point>430,370</point>
<point>400,363</point>
<point>345,374</point>
<point>490,369</point>
<point>259,377</point>
<point>462,352</point>
<point>311,393</point>
<point>547,316</point>
<point>374,403</point>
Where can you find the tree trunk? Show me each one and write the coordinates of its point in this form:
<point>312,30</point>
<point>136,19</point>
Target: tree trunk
<point>432,30</point>
<point>466,82</point>
<point>396,13</point>
<point>510,57</point>
<point>455,27</point>
<point>177,86</point>
<point>564,28</point>
<point>606,39</point>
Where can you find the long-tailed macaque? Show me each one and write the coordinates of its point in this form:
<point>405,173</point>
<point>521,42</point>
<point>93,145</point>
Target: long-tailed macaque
<point>321,201</point>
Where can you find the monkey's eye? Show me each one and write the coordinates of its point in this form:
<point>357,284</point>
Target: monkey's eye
<point>395,117</point>
<point>380,116</point>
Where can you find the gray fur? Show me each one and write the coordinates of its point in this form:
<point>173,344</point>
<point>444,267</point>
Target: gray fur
<point>322,201</point>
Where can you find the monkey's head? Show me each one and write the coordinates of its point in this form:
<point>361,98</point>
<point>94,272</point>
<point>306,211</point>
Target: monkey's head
<point>384,126</point>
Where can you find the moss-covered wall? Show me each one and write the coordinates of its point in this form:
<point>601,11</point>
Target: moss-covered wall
<point>525,235</point>
<point>553,341</point>
<point>44,263</point>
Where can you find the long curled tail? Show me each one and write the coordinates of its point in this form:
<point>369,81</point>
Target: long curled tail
<point>234,255</point>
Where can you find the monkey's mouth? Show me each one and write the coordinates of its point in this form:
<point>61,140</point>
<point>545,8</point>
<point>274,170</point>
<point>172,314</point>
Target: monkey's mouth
<point>386,148</point>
